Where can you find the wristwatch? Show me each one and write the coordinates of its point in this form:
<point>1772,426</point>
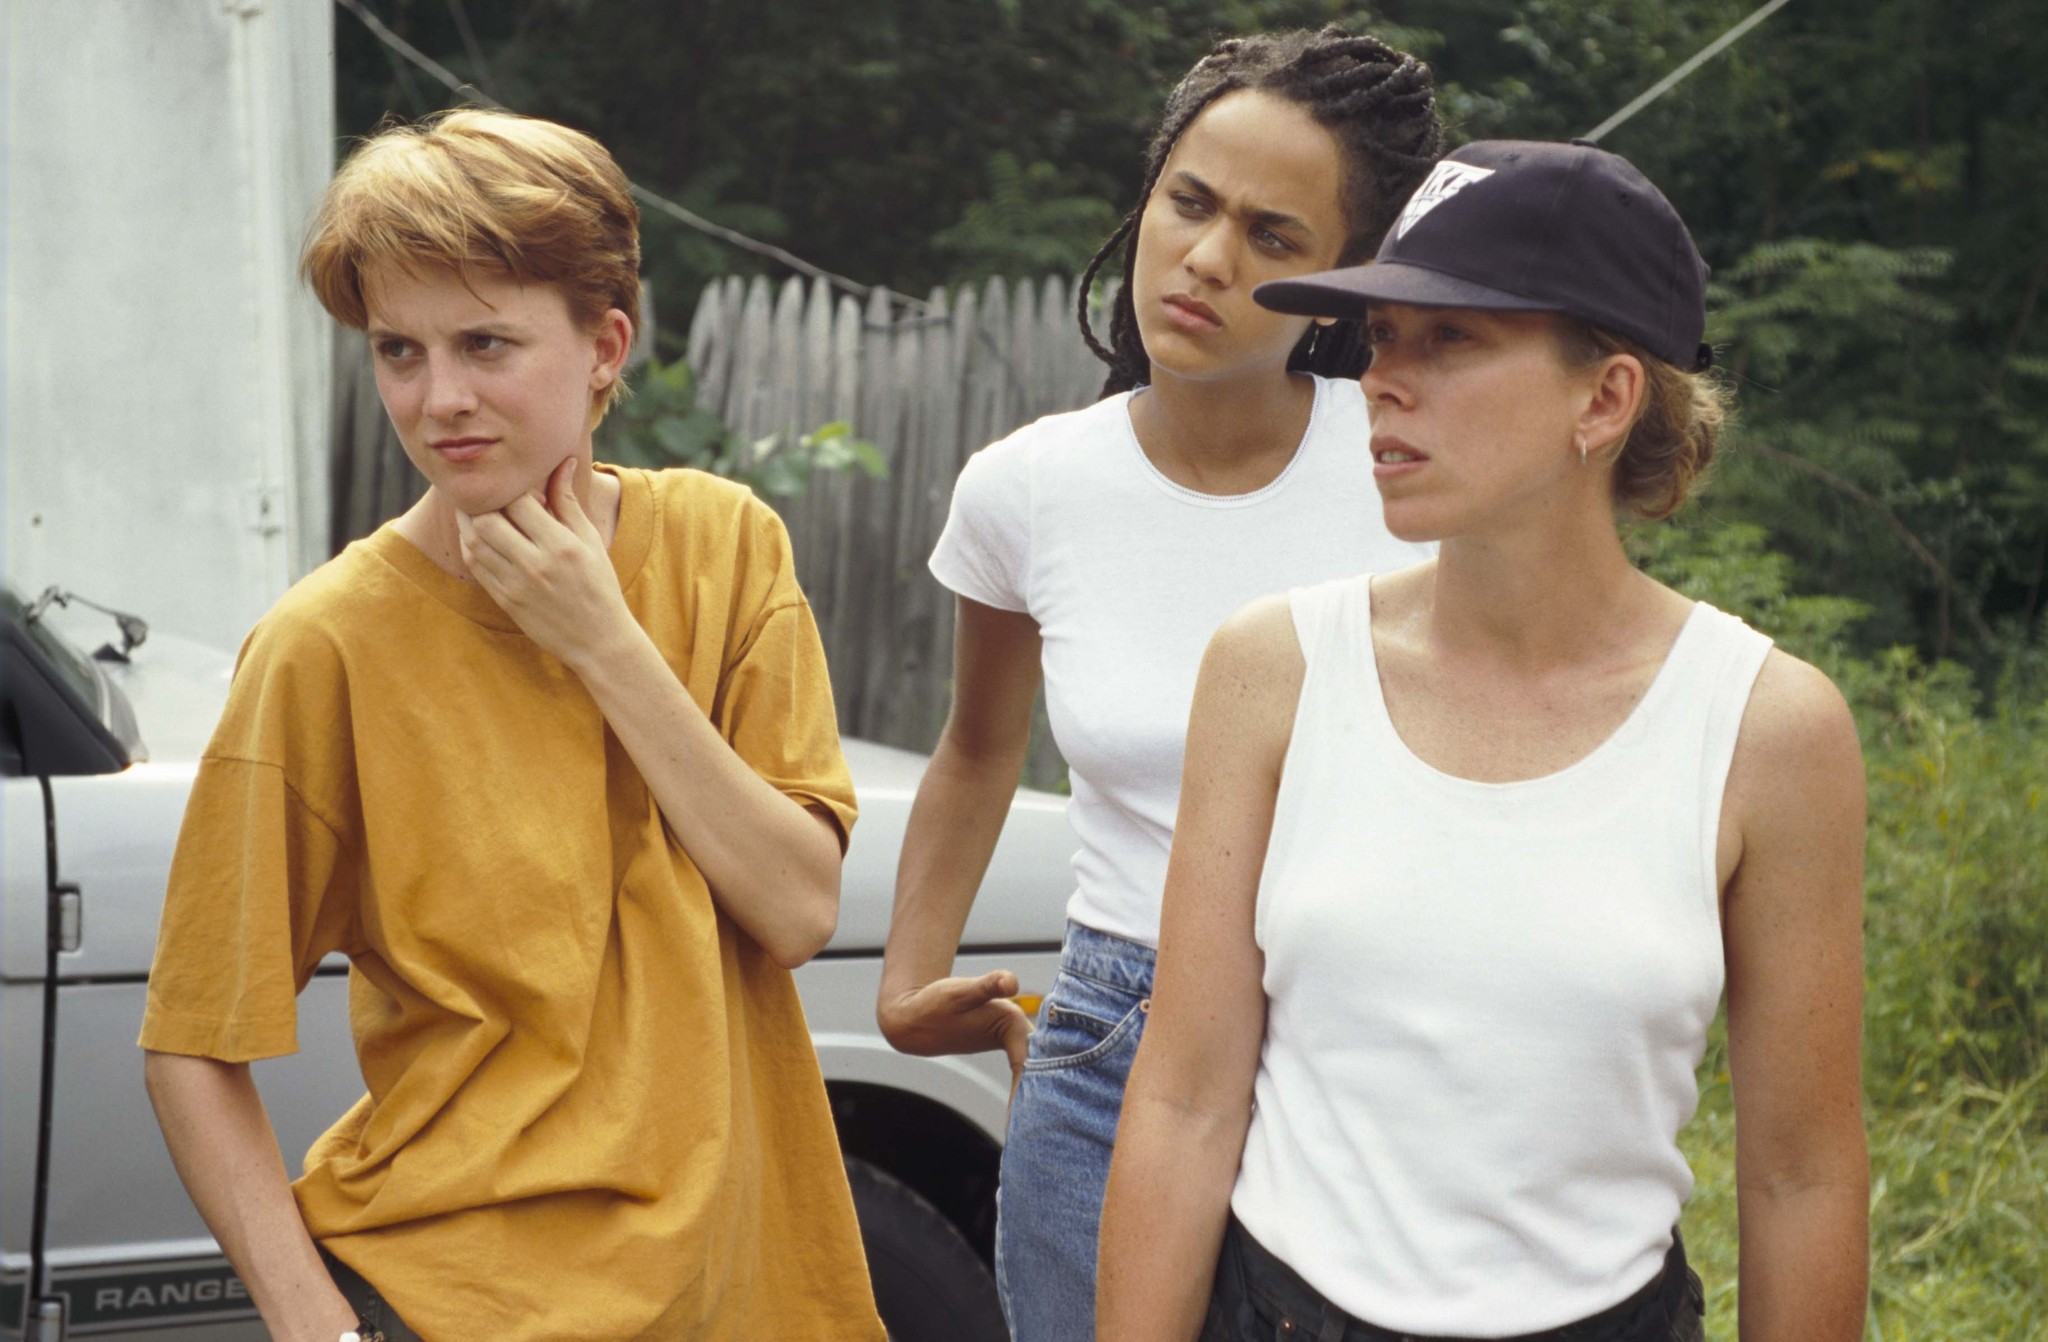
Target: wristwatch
<point>359,1333</point>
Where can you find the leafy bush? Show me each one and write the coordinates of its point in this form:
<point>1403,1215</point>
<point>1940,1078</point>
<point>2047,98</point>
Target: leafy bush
<point>661,424</point>
<point>1956,952</point>
<point>1025,226</point>
<point>1728,566</point>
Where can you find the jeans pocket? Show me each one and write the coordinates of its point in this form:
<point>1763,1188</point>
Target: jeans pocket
<point>1082,1020</point>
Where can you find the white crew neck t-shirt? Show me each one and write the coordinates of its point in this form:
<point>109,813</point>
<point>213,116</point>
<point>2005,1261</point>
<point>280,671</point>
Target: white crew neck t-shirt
<point>1128,574</point>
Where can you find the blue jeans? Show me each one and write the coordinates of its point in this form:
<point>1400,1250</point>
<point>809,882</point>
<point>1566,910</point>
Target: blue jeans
<point>1062,1124</point>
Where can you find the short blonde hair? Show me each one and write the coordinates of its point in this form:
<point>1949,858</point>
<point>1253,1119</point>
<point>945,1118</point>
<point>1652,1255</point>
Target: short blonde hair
<point>473,188</point>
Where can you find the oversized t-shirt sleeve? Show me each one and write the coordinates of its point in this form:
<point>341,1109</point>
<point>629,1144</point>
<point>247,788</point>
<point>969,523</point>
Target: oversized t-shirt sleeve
<point>984,554</point>
<point>260,886</point>
<point>775,708</point>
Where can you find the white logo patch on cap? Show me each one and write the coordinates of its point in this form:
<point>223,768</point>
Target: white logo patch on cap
<point>1445,180</point>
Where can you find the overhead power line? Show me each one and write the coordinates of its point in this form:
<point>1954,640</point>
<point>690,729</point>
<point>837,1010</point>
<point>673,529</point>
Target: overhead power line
<point>1672,80</point>
<point>412,53</point>
<point>686,217</point>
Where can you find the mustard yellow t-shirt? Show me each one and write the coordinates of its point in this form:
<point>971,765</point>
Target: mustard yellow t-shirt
<point>594,1110</point>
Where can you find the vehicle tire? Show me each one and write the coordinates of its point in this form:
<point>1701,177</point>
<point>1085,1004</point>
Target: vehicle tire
<point>930,1285</point>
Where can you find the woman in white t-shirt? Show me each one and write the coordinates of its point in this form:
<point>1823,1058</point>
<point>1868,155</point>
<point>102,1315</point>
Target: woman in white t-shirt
<point>1465,852</point>
<point>1100,549</point>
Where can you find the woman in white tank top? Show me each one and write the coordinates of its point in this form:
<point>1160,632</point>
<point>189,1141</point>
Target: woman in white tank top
<point>1465,852</point>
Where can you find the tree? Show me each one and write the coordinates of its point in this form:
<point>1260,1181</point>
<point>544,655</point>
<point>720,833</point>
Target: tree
<point>1865,178</point>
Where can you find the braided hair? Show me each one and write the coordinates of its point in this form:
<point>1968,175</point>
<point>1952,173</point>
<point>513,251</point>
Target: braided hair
<point>1379,103</point>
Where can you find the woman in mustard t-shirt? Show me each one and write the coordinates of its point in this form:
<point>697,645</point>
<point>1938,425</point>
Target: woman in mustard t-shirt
<point>552,759</point>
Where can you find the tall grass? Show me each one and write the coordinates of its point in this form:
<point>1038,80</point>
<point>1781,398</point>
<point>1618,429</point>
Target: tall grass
<point>1956,949</point>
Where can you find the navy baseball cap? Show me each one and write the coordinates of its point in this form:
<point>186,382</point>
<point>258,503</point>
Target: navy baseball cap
<point>1529,226</point>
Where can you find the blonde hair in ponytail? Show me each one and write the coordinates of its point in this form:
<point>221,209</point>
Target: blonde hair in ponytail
<point>1666,456</point>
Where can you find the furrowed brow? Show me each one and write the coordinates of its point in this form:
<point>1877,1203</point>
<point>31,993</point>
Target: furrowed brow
<point>1278,219</point>
<point>1262,218</point>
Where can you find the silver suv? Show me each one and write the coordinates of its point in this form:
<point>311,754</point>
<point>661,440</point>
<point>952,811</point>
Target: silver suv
<point>97,1238</point>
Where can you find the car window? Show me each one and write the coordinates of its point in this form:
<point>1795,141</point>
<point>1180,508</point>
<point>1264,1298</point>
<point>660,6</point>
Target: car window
<point>58,715</point>
<point>67,661</point>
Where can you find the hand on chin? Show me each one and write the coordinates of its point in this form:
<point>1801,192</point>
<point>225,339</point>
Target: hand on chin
<point>476,498</point>
<point>543,561</point>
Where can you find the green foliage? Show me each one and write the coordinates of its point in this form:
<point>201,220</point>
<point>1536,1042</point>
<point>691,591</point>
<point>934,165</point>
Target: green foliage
<point>1958,861</point>
<point>1854,473</point>
<point>1024,226</point>
<point>857,135</point>
<point>1728,567</point>
<point>1956,1010</point>
<point>661,424</point>
<point>1867,185</point>
<point>1805,306</point>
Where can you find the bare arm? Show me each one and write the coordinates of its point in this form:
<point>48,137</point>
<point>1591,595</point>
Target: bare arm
<point>954,824</point>
<point>771,863</point>
<point>1188,1105</point>
<point>226,1153</point>
<point>1793,931</point>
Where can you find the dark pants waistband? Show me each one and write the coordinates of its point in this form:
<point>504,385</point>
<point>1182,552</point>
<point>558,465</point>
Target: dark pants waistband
<point>1251,1281</point>
<point>368,1303</point>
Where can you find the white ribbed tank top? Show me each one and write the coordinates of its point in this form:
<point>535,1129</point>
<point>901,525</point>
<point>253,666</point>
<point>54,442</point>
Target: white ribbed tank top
<point>1485,1001</point>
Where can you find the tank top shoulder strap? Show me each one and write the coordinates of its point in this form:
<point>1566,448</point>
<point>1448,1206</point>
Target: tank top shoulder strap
<point>1713,670</point>
<point>1332,729</point>
<point>1330,618</point>
<point>1713,667</point>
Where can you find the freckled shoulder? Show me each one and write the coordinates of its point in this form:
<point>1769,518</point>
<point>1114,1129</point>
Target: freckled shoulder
<point>1258,641</point>
<point>1252,673</point>
<point>1798,762</point>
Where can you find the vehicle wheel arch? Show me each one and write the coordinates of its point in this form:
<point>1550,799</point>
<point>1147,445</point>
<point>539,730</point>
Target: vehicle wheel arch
<point>936,1151</point>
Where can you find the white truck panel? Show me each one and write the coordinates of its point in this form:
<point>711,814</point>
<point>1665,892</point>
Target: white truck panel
<point>113,833</point>
<point>24,877</point>
<point>113,1193</point>
<point>166,375</point>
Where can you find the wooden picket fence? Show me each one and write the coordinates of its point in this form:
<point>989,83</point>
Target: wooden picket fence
<point>926,387</point>
<point>927,383</point>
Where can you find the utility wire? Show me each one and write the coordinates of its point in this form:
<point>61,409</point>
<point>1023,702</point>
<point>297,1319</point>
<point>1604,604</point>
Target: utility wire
<point>468,35</point>
<point>1672,80</point>
<point>416,56</point>
<point>688,218</point>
